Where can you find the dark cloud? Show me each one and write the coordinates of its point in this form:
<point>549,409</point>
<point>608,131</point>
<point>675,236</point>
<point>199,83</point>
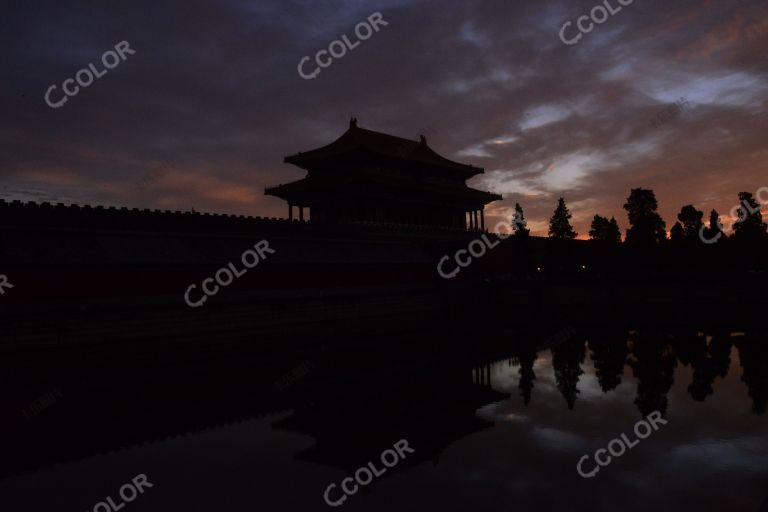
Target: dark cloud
<point>213,96</point>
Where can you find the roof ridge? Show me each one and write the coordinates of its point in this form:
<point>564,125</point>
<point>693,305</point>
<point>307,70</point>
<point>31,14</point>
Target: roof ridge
<point>384,144</point>
<point>382,134</point>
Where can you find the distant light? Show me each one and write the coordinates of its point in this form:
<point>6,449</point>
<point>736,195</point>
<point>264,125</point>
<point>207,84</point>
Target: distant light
<point>584,267</point>
<point>538,268</point>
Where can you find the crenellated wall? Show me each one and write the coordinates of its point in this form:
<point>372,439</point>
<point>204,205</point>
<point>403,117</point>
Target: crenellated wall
<point>66,251</point>
<point>17,214</point>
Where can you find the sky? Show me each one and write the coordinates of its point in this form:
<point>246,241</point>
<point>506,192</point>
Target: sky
<point>203,111</point>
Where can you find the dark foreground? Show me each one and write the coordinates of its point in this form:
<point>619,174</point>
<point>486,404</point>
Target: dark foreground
<point>225,415</point>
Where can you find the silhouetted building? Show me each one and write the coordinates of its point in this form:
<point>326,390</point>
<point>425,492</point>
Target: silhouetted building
<point>367,176</point>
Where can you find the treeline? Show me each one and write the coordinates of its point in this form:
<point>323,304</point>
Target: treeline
<point>647,228</point>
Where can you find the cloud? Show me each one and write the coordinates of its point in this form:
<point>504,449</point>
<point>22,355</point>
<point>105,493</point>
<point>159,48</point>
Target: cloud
<point>214,88</point>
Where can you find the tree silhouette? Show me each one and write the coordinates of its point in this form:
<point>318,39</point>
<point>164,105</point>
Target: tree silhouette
<point>703,370</point>
<point>615,232</point>
<point>720,352</point>
<point>560,225</point>
<point>754,359</point>
<point>646,226</point>
<point>677,233</point>
<point>691,219</point>
<point>708,360</point>
<point>605,230</point>
<point>750,225</point>
<point>715,227</point>
<point>566,361</point>
<point>519,224</point>
<point>609,354</point>
<point>653,364</point>
<point>527,357</point>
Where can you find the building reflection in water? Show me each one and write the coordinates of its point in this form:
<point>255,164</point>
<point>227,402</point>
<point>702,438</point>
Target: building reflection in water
<point>357,399</point>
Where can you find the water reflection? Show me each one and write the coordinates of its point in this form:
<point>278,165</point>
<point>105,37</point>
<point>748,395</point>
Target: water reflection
<point>652,358</point>
<point>504,416</point>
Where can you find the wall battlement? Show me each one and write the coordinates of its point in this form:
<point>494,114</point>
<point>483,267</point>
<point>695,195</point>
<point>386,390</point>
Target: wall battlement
<point>32,215</point>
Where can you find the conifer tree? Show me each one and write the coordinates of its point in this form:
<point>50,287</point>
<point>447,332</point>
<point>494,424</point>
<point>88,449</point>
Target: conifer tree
<point>560,225</point>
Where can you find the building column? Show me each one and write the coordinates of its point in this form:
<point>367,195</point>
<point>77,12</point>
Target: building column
<point>482,219</point>
<point>290,211</point>
<point>476,223</point>
<point>301,214</point>
<point>469,224</point>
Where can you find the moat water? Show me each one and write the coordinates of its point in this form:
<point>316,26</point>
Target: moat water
<point>499,422</point>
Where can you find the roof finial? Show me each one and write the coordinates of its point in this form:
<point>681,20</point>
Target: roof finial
<point>353,122</point>
<point>423,139</point>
